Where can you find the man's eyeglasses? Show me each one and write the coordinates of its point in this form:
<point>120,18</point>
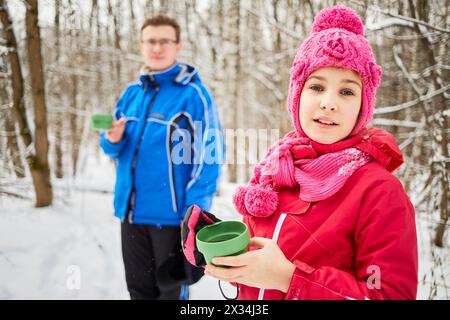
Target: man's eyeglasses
<point>163,43</point>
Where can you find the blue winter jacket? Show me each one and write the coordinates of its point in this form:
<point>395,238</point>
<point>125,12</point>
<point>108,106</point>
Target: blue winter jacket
<point>172,148</point>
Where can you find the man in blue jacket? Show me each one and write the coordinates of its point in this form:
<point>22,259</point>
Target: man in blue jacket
<point>168,144</point>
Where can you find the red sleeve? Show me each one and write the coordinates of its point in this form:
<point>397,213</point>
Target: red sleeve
<point>386,262</point>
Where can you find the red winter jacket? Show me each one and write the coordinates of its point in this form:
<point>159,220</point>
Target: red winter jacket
<point>358,244</point>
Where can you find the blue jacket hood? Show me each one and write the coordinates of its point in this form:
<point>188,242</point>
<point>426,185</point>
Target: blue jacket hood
<point>181,73</point>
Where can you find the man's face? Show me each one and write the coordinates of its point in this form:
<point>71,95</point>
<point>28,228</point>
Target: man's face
<point>158,47</point>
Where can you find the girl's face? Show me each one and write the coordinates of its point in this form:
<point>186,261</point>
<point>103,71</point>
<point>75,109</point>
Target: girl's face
<point>329,104</point>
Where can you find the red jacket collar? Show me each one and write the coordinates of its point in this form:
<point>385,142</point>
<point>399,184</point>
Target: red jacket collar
<point>382,146</point>
<point>337,146</point>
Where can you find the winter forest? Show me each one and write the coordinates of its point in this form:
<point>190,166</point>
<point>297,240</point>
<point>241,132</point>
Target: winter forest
<point>62,60</point>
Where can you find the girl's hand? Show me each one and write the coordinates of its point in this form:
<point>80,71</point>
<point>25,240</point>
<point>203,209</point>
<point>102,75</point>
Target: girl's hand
<point>114,135</point>
<point>265,268</point>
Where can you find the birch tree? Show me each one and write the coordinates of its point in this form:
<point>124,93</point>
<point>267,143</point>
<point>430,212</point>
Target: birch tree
<point>39,165</point>
<point>37,151</point>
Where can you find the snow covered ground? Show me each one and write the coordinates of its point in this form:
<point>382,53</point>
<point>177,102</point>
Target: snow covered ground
<point>71,250</point>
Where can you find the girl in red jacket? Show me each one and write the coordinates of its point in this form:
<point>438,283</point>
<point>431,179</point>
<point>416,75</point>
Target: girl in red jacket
<point>327,217</point>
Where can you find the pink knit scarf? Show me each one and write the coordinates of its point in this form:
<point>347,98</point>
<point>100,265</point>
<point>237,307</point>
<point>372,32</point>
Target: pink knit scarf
<point>318,170</point>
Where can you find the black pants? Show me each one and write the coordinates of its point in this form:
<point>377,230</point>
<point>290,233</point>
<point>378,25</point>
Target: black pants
<point>153,262</point>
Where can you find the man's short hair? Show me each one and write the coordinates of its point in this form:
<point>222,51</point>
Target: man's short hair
<point>162,20</point>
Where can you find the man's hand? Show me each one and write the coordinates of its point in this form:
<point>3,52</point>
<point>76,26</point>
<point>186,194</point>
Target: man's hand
<point>266,268</point>
<point>114,135</point>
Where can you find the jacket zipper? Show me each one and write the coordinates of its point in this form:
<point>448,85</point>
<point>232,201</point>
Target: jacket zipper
<point>131,202</point>
<point>276,233</point>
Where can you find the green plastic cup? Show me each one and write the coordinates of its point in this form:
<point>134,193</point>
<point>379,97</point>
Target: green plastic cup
<point>101,121</point>
<point>223,238</point>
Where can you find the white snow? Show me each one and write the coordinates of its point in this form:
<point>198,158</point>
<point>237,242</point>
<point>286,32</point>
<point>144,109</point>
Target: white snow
<point>387,23</point>
<point>71,250</point>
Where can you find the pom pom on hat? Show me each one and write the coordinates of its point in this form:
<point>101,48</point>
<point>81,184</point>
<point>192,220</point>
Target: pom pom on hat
<point>338,17</point>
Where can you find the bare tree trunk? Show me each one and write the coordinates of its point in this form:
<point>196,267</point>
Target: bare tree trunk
<point>163,6</point>
<point>134,38</point>
<point>37,162</point>
<point>117,46</point>
<point>59,172</point>
<point>13,147</point>
<point>149,8</point>
<point>132,24</point>
<point>74,130</point>
<point>16,75</point>
<point>233,63</point>
<point>440,135</point>
<point>116,28</point>
<point>277,79</point>
<point>211,25</point>
<point>73,89</point>
<point>95,57</point>
<point>39,167</point>
<point>94,17</point>
<point>10,128</point>
<point>187,18</point>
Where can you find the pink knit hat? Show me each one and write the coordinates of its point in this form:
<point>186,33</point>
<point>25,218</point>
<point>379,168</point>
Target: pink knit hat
<point>336,40</point>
